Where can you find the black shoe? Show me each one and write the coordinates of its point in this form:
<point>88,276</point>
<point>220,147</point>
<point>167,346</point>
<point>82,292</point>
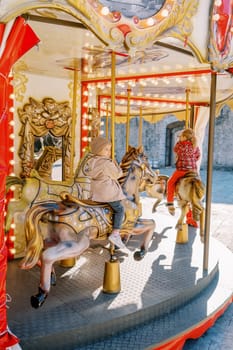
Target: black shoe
<point>139,255</point>
<point>38,299</point>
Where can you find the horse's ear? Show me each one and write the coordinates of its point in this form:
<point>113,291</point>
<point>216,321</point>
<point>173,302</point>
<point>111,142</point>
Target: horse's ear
<point>129,148</point>
<point>141,149</point>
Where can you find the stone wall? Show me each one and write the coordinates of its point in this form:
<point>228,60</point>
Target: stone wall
<point>158,142</point>
<point>223,141</point>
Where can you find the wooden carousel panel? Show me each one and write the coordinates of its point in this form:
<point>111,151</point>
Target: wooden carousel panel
<point>220,52</point>
<point>137,25</point>
<point>118,24</point>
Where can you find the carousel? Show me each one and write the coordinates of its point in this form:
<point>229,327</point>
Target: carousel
<point>71,71</point>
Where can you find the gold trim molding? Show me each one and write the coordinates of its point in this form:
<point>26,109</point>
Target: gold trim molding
<point>118,32</point>
<point>20,80</point>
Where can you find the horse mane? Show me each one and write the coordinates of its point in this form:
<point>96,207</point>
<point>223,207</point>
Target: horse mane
<point>14,180</point>
<point>132,154</point>
<point>126,163</point>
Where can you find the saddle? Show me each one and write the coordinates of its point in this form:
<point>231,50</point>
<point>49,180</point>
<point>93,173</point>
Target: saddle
<point>69,199</point>
<point>131,214</point>
<point>191,174</point>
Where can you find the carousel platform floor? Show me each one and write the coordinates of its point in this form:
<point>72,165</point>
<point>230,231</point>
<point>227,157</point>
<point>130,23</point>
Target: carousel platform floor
<point>165,299</point>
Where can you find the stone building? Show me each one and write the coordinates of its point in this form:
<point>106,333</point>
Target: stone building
<point>159,138</point>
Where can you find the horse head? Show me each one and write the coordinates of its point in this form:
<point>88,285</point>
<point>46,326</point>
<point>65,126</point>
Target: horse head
<point>136,169</point>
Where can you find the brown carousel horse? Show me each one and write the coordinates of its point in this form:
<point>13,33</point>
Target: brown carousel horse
<point>71,223</point>
<point>190,192</point>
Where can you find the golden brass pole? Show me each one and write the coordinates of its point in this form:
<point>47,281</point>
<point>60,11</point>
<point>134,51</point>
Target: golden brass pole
<point>140,128</point>
<point>187,91</point>
<point>74,115</point>
<point>210,168</point>
<point>192,117</point>
<point>70,262</point>
<point>107,117</point>
<point>128,119</point>
<point>111,283</point>
<point>113,94</point>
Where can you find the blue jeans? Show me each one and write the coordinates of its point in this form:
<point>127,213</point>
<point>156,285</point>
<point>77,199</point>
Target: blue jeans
<point>118,214</point>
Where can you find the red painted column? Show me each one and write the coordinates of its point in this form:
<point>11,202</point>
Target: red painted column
<point>10,238</point>
<point>6,338</point>
<point>14,43</point>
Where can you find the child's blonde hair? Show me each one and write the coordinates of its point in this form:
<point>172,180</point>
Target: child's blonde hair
<point>190,136</point>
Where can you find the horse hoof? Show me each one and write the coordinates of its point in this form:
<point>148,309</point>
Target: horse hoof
<point>53,279</point>
<point>38,299</point>
<point>139,255</point>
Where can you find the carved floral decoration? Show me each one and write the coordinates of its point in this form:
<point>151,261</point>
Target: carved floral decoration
<point>38,118</point>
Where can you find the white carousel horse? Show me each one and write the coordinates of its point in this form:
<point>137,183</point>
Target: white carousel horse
<point>155,187</point>
<point>72,223</point>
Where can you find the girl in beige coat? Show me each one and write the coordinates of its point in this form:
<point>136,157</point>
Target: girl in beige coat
<point>104,173</point>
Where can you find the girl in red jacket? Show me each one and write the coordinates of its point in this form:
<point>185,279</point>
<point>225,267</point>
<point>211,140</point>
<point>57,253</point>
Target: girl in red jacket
<point>187,155</point>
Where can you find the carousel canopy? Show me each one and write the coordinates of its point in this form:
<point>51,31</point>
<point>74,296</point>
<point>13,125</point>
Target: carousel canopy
<point>164,50</point>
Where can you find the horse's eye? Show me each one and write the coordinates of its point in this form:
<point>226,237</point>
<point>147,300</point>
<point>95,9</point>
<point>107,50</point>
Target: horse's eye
<point>133,177</point>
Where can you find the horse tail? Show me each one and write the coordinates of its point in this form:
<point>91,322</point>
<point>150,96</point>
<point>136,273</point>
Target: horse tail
<point>33,235</point>
<point>198,191</point>
<point>13,180</point>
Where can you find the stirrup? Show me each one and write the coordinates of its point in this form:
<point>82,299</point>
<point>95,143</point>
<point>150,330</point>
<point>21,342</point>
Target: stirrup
<point>53,279</point>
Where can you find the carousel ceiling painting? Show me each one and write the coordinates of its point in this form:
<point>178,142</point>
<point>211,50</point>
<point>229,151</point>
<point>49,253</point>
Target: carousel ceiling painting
<point>165,50</point>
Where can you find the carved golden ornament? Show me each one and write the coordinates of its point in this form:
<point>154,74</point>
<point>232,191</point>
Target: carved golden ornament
<point>116,31</point>
<point>173,20</point>
<point>37,118</point>
<point>100,25</point>
<point>20,80</point>
<point>177,24</point>
<point>49,124</point>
